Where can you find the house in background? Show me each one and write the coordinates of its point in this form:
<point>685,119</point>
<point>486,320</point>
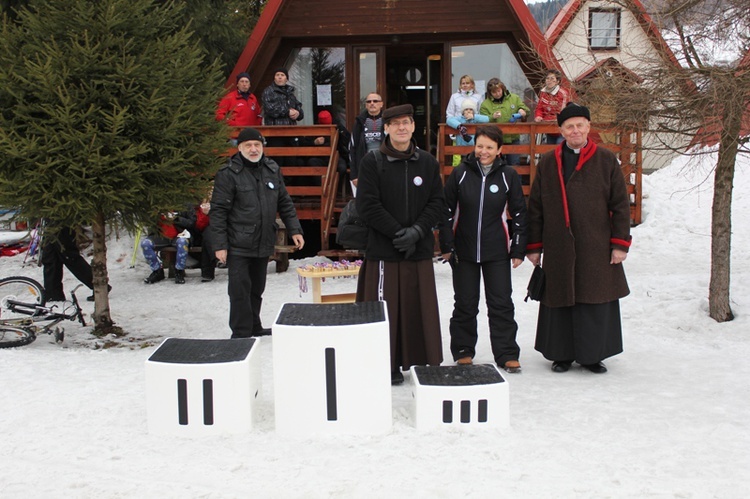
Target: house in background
<point>409,51</point>
<point>602,45</point>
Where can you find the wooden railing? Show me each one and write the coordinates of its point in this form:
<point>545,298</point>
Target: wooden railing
<point>313,188</point>
<point>626,144</point>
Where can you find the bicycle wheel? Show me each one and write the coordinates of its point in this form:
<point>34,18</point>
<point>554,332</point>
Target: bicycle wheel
<point>11,336</point>
<point>19,290</point>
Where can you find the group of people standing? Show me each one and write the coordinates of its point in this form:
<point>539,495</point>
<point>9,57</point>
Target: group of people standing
<point>578,217</point>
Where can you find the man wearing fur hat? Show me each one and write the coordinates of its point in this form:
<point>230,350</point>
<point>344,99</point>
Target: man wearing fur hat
<point>248,192</point>
<point>400,197</point>
<point>579,219</point>
<point>240,107</point>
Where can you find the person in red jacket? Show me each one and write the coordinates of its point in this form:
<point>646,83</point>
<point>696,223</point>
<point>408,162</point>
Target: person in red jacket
<point>552,99</point>
<point>240,107</point>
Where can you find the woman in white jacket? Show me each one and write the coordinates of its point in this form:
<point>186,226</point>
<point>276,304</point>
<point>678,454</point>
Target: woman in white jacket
<point>467,90</point>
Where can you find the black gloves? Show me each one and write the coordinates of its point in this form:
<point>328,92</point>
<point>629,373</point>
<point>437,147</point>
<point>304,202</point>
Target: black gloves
<point>406,240</point>
<point>464,133</point>
<point>407,237</point>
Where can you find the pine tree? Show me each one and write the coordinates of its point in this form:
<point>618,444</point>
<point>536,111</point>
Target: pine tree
<point>107,115</point>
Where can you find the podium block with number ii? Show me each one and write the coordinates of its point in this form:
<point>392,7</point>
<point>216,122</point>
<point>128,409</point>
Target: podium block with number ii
<point>202,387</point>
<point>331,369</point>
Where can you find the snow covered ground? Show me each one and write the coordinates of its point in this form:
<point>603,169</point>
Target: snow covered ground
<point>669,419</point>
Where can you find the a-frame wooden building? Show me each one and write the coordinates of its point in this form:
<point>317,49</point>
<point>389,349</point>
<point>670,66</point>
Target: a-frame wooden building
<point>408,51</point>
<point>411,51</point>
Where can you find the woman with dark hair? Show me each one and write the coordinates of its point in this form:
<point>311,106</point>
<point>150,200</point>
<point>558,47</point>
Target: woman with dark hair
<point>502,106</point>
<point>478,239</point>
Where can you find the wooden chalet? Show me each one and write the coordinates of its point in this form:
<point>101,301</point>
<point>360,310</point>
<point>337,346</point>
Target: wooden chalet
<point>408,51</point>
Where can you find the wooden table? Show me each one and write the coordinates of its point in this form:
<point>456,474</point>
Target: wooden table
<point>317,275</point>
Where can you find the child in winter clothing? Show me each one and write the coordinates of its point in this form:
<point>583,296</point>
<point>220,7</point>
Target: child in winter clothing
<point>467,90</point>
<point>174,231</point>
<point>468,115</point>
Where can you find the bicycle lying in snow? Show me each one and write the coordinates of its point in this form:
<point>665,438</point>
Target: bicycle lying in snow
<point>24,315</point>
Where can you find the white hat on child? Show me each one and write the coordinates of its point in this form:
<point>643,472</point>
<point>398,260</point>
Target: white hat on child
<point>468,104</point>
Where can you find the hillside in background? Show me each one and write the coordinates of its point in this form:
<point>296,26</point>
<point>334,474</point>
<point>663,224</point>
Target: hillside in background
<point>544,12</point>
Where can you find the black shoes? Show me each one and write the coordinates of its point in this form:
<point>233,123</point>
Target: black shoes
<point>397,377</point>
<point>561,366</point>
<point>207,277</point>
<point>156,276</point>
<point>598,368</point>
<point>179,276</point>
<point>262,332</point>
<point>91,298</point>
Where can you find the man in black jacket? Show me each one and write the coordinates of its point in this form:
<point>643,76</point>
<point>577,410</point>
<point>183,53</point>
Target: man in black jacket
<point>247,194</point>
<point>367,133</point>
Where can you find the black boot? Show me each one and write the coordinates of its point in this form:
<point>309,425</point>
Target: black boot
<point>598,368</point>
<point>156,276</point>
<point>561,366</point>
<point>179,276</point>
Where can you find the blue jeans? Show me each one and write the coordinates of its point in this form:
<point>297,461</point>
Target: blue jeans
<point>152,257</point>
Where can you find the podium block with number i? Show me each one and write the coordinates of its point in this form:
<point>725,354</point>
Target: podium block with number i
<point>202,387</point>
<point>331,367</point>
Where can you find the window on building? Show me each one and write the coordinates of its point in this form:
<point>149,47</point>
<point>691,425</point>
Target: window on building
<point>485,61</point>
<point>604,28</point>
<point>318,75</point>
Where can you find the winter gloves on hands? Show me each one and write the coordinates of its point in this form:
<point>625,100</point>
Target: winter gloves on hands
<point>406,240</point>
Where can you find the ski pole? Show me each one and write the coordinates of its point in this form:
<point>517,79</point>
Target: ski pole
<point>135,247</point>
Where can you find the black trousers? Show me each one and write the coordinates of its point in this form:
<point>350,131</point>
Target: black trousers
<point>208,255</point>
<point>60,252</point>
<point>247,281</point>
<point>500,310</point>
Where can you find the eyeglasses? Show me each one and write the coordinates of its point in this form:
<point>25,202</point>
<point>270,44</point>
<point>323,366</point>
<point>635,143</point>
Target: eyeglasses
<point>372,101</point>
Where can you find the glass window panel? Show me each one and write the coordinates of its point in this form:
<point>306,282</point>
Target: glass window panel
<point>319,74</point>
<point>491,60</point>
<point>368,75</point>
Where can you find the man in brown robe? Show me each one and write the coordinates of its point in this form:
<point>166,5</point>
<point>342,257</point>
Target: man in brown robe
<point>400,197</point>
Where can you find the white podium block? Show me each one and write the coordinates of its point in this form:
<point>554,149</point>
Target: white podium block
<point>202,387</point>
<point>331,369</point>
<point>474,396</point>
